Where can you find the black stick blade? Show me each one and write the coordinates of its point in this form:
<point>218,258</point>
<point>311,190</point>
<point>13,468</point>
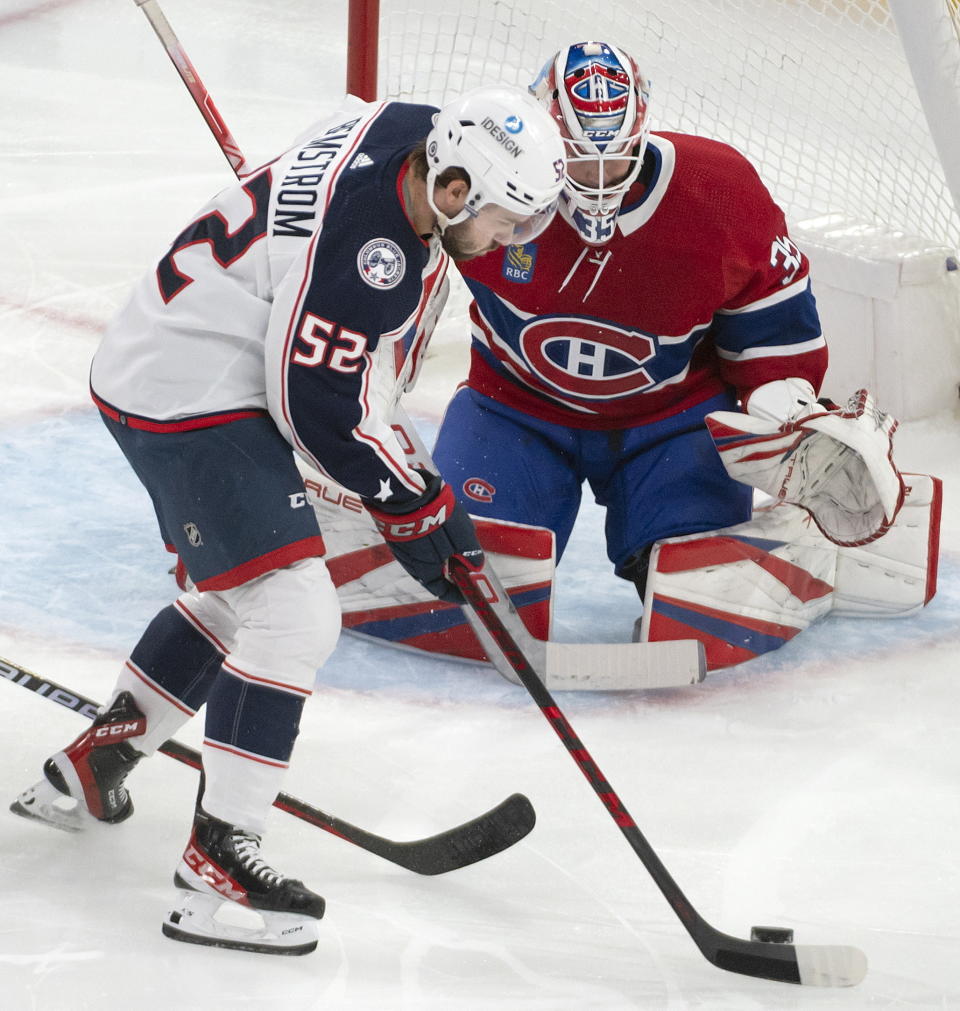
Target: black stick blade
<point>481,837</point>
<point>490,833</point>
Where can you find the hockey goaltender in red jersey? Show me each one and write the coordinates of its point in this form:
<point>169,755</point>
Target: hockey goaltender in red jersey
<point>664,316</point>
<point>258,334</point>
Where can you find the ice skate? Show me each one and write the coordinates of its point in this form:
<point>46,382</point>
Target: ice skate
<point>84,782</point>
<point>230,898</point>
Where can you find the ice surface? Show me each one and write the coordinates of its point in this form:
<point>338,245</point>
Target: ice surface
<point>816,788</point>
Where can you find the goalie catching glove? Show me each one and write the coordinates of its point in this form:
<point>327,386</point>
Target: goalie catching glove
<point>837,463</point>
<point>426,533</point>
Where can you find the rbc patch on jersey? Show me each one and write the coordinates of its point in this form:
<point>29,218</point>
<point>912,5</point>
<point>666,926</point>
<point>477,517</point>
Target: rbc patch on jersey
<point>381,263</point>
<point>518,263</point>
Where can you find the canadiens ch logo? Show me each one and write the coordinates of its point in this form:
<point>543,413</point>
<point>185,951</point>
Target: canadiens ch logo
<point>587,358</point>
<point>518,263</point>
<point>479,490</point>
<point>381,263</point>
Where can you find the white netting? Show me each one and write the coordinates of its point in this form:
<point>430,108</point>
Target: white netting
<point>817,93</point>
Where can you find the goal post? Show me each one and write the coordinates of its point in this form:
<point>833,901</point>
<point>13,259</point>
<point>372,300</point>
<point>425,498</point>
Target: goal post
<point>848,109</point>
<point>363,48</point>
<point>930,33</point>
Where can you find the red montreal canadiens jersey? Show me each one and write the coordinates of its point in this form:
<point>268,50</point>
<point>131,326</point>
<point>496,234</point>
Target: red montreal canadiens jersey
<point>700,288</point>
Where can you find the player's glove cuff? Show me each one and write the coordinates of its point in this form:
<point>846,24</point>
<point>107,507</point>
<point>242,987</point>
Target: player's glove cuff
<point>425,533</point>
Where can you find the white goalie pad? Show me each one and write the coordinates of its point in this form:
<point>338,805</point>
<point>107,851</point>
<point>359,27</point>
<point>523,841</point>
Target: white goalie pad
<point>895,576</point>
<point>748,589</point>
<point>742,590</point>
<point>381,601</point>
<point>836,464</point>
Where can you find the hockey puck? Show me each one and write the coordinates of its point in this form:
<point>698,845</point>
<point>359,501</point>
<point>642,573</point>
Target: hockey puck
<point>772,935</point>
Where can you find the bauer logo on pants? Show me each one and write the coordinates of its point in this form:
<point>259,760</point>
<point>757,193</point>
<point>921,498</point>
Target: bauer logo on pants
<point>381,263</point>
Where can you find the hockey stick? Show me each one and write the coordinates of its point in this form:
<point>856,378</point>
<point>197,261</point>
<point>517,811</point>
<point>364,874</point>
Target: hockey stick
<point>816,965</point>
<point>474,840</point>
<point>195,86</point>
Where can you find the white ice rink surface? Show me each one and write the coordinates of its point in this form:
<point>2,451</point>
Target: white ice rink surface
<point>816,788</point>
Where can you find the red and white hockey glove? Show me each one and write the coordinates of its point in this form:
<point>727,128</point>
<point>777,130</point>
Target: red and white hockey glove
<point>426,533</point>
<point>837,463</point>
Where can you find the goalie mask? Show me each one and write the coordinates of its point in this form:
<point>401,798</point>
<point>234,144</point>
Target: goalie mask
<point>511,150</point>
<point>599,98</point>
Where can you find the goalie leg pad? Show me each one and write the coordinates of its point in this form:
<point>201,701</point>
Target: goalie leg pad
<point>747,589</point>
<point>743,590</point>
<point>896,575</point>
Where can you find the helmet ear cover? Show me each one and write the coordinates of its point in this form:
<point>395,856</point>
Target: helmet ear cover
<point>599,98</point>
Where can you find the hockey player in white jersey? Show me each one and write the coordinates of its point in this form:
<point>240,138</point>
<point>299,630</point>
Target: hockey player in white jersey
<point>257,334</point>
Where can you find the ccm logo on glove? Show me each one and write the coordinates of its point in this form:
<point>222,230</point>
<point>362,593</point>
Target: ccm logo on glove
<point>419,523</point>
<point>426,533</point>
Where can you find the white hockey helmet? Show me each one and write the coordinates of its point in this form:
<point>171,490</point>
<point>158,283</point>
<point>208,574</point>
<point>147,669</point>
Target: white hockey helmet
<point>511,149</point>
<point>600,100</point>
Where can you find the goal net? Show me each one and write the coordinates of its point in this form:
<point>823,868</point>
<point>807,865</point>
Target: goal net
<point>817,93</point>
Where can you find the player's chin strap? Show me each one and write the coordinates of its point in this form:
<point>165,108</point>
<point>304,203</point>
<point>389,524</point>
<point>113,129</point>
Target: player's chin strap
<point>835,463</point>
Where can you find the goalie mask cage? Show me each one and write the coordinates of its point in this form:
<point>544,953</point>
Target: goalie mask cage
<point>817,93</point>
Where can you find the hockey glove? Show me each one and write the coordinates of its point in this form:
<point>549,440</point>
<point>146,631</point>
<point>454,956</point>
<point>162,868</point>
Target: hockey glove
<point>424,534</point>
<point>835,463</point>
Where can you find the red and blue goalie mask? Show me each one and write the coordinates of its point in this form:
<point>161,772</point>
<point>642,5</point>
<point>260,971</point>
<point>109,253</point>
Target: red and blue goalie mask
<point>599,99</point>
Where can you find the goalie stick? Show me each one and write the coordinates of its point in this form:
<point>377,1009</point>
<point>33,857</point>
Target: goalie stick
<point>814,965</point>
<point>481,837</point>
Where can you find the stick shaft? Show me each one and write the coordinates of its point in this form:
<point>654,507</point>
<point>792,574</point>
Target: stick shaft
<point>195,86</point>
<point>751,958</point>
<point>473,586</point>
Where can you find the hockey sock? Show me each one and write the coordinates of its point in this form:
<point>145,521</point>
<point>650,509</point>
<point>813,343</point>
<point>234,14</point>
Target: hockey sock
<point>169,673</point>
<point>251,727</point>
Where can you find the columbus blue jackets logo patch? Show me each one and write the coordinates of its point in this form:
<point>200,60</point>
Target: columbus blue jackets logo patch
<point>381,263</point>
<point>518,263</point>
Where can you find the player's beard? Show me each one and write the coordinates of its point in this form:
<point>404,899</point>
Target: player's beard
<point>458,244</point>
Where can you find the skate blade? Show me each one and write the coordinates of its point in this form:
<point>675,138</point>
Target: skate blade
<point>219,923</point>
<point>43,802</point>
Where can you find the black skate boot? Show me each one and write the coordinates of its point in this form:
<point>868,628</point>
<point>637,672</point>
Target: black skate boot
<point>91,771</point>
<point>222,863</point>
